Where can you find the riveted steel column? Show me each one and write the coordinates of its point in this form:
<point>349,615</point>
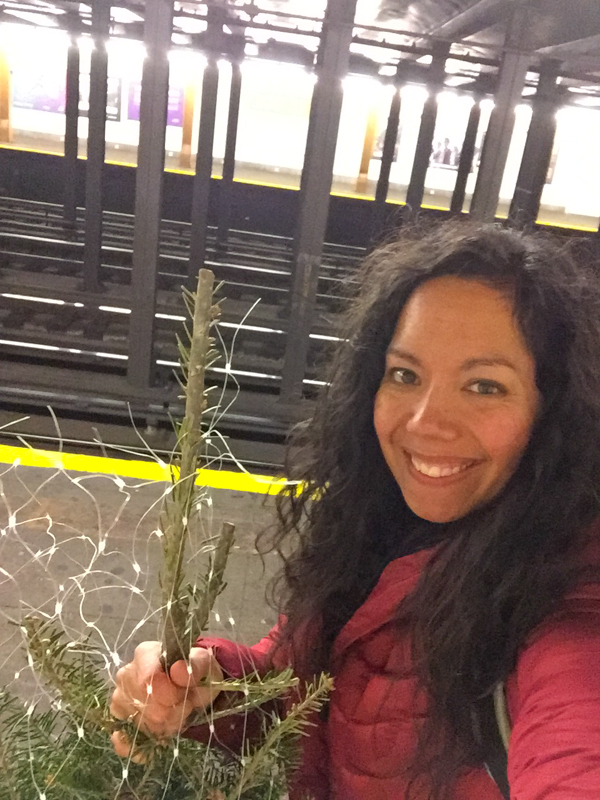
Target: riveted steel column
<point>216,16</point>
<point>71,135</point>
<point>537,153</point>
<point>511,80</point>
<point>387,159</point>
<point>317,175</point>
<point>467,154</point>
<point>435,82</point>
<point>96,148</point>
<point>148,191</point>
<point>226,185</point>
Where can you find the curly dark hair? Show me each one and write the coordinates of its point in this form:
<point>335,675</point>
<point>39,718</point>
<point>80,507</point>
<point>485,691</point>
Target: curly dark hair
<point>500,570</point>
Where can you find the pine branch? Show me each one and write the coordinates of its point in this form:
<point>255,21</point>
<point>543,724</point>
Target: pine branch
<point>214,580</point>
<point>68,668</point>
<point>179,625</point>
<point>292,725</point>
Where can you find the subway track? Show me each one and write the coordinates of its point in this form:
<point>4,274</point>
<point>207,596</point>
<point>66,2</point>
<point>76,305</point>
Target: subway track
<point>65,347</point>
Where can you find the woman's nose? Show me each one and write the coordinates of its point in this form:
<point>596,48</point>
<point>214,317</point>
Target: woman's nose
<point>432,416</point>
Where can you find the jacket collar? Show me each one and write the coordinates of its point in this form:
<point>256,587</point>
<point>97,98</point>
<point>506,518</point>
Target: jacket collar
<point>396,581</point>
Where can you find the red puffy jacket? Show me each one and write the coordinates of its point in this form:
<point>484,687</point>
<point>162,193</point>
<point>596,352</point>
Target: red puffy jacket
<point>362,750</point>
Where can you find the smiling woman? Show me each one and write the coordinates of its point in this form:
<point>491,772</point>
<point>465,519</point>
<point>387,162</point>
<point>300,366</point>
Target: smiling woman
<point>453,544</point>
<point>445,535</point>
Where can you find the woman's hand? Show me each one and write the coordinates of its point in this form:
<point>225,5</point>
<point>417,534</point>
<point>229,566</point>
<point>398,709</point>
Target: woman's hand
<point>158,703</point>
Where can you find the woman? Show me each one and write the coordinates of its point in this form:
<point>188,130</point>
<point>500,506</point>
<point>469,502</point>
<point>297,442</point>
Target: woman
<point>445,538</point>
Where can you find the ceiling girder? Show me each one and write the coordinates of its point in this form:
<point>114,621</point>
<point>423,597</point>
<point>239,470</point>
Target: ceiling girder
<point>483,14</point>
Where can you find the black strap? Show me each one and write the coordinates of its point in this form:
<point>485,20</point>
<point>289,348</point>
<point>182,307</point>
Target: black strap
<point>496,759</point>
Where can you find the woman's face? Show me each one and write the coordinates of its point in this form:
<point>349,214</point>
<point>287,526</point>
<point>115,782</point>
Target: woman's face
<point>458,399</point>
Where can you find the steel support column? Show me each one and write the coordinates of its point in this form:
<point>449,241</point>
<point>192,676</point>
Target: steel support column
<point>216,17</point>
<point>96,147</point>
<point>511,80</point>
<point>148,191</point>
<point>71,134</point>
<point>317,175</point>
<point>537,153</point>
<point>435,82</point>
<point>467,154</point>
<point>226,185</point>
<point>387,159</point>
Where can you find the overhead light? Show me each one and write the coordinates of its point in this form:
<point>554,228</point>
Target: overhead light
<point>387,70</point>
<point>590,101</point>
<point>124,15</point>
<point>180,38</point>
<point>458,80</point>
<point>453,65</point>
<point>43,20</point>
<point>413,93</point>
<point>189,24</point>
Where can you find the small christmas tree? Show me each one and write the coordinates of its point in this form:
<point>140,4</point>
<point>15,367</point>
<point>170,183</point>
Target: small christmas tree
<point>63,751</point>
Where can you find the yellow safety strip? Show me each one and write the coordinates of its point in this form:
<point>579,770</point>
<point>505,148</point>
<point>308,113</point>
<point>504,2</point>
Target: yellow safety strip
<point>141,470</point>
<point>351,195</point>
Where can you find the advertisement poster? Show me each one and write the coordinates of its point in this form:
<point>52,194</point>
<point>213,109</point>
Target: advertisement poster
<point>39,89</point>
<point>113,97</point>
<point>175,104</point>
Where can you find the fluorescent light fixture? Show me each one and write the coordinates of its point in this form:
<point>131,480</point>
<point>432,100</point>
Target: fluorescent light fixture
<point>174,317</point>
<point>255,328</point>
<point>590,101</point>
<point>31,345</point>
<point>189,24</point>
<point>43,20</point>
<point>115,309</point>
<point>414,93</point>
<point>47,300</point>
<point>124,15</point>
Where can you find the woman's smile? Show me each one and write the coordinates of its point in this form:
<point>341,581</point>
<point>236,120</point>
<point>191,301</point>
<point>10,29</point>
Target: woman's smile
<point>436,469</point>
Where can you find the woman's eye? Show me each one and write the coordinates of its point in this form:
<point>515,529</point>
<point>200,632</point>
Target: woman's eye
<point>486,387</point>
<point>403,376</point>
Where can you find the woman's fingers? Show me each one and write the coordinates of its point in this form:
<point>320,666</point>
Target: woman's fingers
<point>160,704</point>
<point>201,668</point>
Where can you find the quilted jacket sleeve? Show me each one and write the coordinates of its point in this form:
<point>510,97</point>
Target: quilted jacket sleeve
<point>554,703</point>
<point>236,661</point>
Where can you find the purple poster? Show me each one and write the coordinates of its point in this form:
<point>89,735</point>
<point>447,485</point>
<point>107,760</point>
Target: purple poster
<point>113,97</point>
<point>39,91</point>
<point>175,107</point>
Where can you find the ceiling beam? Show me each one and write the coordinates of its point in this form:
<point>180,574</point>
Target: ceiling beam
<point>478,17</point>
<point>589,45</point>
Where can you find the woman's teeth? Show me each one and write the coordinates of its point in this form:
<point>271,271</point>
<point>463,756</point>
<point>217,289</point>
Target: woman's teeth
<point>435,471</point>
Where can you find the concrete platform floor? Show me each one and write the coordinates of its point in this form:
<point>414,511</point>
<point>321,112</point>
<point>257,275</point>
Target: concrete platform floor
<point>83,550</point>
